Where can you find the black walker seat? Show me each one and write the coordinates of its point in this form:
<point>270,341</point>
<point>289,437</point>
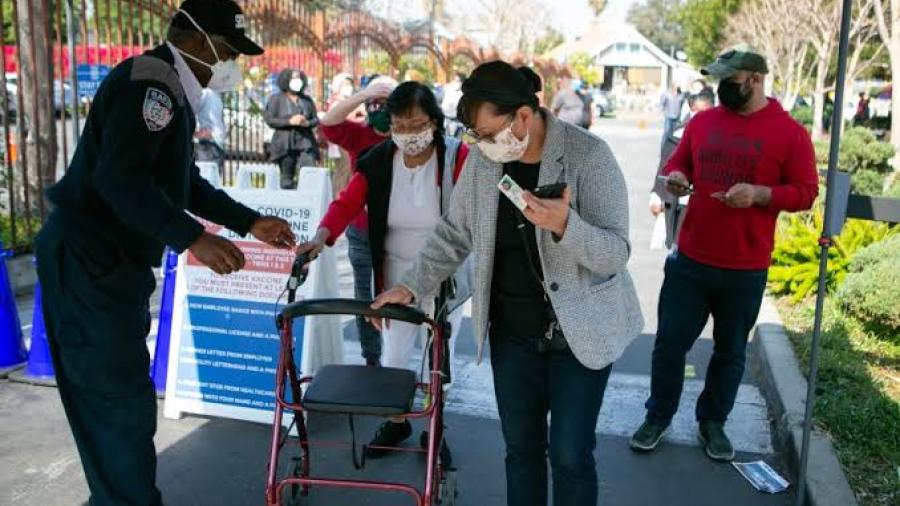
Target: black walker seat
<point>361,390</point>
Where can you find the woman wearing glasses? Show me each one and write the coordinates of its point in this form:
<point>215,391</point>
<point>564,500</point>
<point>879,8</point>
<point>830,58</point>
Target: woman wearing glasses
<point>406,183</point>
<point>550,283</point>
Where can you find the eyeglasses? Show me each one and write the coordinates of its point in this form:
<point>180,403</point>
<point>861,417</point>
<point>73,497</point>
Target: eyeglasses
<point>407,128</point>
<point>470,136</point>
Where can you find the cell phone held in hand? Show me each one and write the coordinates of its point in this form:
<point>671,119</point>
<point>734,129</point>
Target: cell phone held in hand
<point>550,191</point>
<point>666,181</point>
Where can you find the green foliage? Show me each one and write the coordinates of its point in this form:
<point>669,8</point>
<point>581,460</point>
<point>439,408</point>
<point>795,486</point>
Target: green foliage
<point>23,238</point>
<point>598,6</point>
<point>795,259</point>
<point>804,116</point>
<point>658,21</point>
<point>417,63</point>
<point>867,182</point>
<point>551,39</point>
<point>462,64</point>
<point>859,397</point>
<point>582,64</point>
<point>860,150</point>
<point>9,25</point>
<point>376,62</point>
<point>894,190</point>
<point>870,293</point>
<point>703,22</point>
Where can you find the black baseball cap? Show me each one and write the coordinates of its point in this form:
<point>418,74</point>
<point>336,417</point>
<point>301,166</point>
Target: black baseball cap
<point>219,17</point>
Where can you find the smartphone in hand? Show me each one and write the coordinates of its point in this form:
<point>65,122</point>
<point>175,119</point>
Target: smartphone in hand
<point>668,182</point>
<point>550,191</point>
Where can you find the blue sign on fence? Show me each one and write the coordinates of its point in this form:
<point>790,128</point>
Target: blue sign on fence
<point>89,78</point>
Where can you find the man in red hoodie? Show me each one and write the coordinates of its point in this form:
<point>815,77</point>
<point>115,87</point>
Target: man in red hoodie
<point>743,162</point>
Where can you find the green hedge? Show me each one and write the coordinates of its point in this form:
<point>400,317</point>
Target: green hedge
<point>871,290</point>
<point>860,150</point>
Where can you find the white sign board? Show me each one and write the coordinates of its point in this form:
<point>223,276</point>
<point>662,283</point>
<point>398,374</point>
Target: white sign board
<point>224,348</point>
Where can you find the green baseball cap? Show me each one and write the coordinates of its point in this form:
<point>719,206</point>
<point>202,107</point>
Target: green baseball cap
<point>739,58</point>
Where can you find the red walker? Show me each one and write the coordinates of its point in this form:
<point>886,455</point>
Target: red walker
<point>359,390</point>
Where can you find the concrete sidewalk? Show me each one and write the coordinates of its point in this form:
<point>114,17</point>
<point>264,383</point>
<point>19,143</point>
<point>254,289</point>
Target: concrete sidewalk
<point>221,462</point>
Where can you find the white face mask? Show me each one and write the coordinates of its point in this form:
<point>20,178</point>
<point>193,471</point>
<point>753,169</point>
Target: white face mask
<point>506,146</point>
<point>414,144</point>
<point>296,85</point>
<point>226,75</point>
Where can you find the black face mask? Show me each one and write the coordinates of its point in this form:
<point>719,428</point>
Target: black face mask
<point>732,95</point>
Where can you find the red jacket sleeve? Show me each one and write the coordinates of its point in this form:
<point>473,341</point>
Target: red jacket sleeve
<point>800,180</point>
<point>348,205</point>
<point>346,135</point>
<point>460,161</point>
<point>682,159</point>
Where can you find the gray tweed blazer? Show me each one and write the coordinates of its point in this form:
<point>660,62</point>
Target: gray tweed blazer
<point>585,272</point>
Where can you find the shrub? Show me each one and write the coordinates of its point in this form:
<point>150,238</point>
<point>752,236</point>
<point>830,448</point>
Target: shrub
<point>870,292</point>
<point>23,240</point>
<point>795,259</point>
<point>894,190</point>
<point>803,115</point>
<point>867,182</point>
<point>860,150</point>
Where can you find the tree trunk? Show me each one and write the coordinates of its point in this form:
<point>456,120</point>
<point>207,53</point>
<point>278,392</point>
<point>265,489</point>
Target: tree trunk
<point>819,99</point>
<point>39,113</point>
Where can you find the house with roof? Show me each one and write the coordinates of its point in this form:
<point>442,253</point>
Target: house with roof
<point>631,63</point>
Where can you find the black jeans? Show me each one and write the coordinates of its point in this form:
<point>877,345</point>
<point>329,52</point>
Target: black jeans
<point>361,261</point>
<point>291,163</point>
<point>691,293</point>
<point>528,385</point>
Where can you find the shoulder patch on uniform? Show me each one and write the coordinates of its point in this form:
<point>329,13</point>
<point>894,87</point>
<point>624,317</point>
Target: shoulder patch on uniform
<point>151,68</point>
<point>157,110</point>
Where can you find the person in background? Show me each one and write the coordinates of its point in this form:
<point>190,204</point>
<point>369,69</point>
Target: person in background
<point>452,94</point>
<point>587,114</point>
<point>551,282</point>
<point>341,89</point>
<point>567,105</point>
<point>862,110</point>
<point>210,134</point>
<point>748,160</point>
<point>660,198</point>
<point>357,138</point>
<point>670,103</point>
<point>406,183</point>
<point>292,113</point>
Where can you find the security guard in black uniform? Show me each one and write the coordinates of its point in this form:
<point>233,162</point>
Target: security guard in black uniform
<point>125,196</point>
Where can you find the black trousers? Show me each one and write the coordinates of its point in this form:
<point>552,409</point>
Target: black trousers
<point>97,316</point>
<point>290,165</point>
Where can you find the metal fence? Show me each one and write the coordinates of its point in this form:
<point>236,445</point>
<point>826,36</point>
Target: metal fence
<point>56,53</point>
